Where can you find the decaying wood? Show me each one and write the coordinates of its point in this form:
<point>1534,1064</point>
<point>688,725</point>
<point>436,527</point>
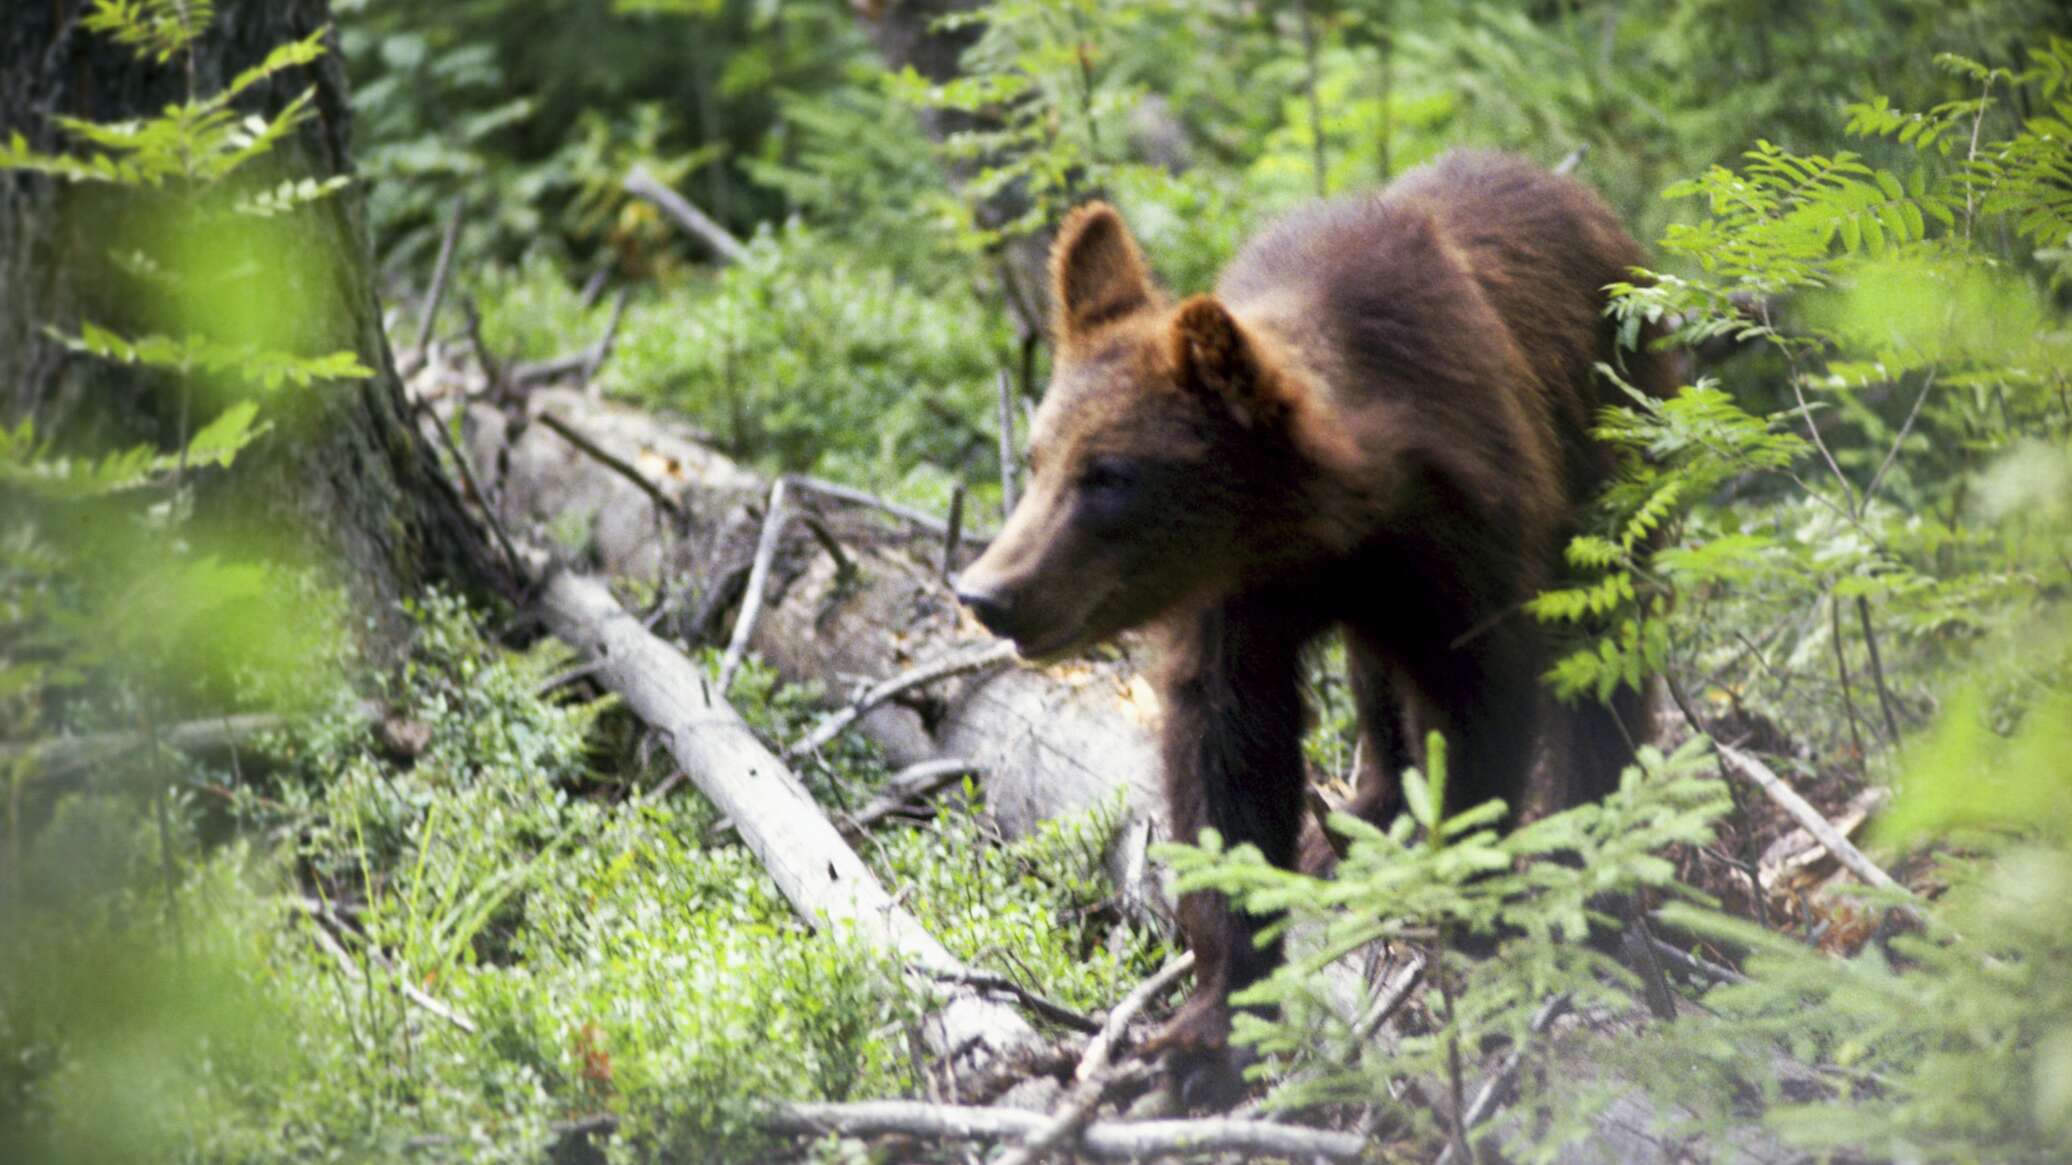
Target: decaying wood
<point>409,362</point>
<point>1091,1079</point>
<point>322,919</point>
<point>1051,740</point>
<point>1809,818</point>
<point>907,787</point>
<point>690,218</point>
<point>939,669</point>
<point>758,582</point>
<point>1110,1140</point>
<point>66,757</point>
<point>815,870</point>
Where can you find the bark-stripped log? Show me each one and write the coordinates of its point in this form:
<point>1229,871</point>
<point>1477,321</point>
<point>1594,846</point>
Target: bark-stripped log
<point>812,865</point>
<point>1051,740</point>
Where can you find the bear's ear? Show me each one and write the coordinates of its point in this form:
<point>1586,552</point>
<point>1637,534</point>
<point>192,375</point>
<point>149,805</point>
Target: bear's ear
<point>1096,273</point>
<point>1214,358</point>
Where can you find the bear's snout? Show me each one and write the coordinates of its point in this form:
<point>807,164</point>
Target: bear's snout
<point>992,610</point>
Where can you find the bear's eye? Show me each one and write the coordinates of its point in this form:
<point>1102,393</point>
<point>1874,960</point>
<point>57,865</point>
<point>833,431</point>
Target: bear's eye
<point>1108,475</point>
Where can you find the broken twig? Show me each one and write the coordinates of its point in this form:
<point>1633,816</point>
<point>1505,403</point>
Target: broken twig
<point>1090,1081</point>
<point>716,237</point>
<point>1113,1140</point>
<point>907,787</point>
<point>832,725</point>
<point>758,579</point>
<point>1006,445</point>
<point>612,462</point>
<point>420,352</point>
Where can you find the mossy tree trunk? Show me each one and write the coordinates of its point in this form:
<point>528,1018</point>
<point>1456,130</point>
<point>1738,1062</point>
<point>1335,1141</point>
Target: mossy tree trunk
<point>346,475</point>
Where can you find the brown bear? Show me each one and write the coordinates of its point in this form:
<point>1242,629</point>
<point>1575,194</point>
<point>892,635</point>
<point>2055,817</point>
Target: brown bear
<point>1379,422</point>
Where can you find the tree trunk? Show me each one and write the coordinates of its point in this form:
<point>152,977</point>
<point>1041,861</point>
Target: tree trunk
<point>346,475</point>
<point>907,35</point>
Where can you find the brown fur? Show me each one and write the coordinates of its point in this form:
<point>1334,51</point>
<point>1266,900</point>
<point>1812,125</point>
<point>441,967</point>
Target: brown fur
<point>1379,422</point>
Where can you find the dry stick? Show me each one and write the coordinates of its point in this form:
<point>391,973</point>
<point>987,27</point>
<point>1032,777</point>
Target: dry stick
<point>1906,427</point>
<point>322,917</point>
<point>1091,1079</point>
<point>1834,609</point>
<point>63,757</point>
<point>1390,1002</point>
<point>1694,964</point>
<point>602,350</point>
<point>467,476</point>
<point>845,493</point>
<point>815,870</point>
<point>1870,643</point>
<point>843,567</point>
<point>954,530</point>
<point>914,783</point>
<point>1574,159</point>
<point>1111,1140</point>
<point>758,579</point>
<point>1787,798</point>
<point>437,295</point>
<point>690,218</point>
<point>1006,445</point>
<point>1493,1089</point>
<point>1803,812</point>
<point>1049,1009</point>
<point>955,664</point>
<point>612,462</point>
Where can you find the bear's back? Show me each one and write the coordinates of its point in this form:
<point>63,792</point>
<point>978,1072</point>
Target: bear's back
<point>1450,279</point>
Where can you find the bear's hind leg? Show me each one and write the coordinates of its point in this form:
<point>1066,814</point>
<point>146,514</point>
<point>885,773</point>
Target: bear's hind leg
<point>1385,749</point>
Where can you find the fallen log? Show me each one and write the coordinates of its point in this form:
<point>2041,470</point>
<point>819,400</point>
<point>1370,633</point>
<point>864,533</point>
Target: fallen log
<point>1051,740</point>
<point>1112,1140</point>
<point>814,868</point>
<point>65,757</point>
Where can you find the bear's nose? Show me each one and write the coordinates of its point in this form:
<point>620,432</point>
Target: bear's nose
<point>988,608</point>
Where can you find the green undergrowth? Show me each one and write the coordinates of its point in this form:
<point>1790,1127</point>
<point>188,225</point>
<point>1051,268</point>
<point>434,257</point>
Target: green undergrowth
<point>223,998</point>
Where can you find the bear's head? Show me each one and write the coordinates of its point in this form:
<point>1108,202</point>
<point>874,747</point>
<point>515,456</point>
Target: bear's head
<point>1164,463</point>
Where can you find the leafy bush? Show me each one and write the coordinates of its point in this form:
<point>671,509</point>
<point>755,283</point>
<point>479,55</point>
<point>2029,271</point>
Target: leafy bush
<point>809,358</point>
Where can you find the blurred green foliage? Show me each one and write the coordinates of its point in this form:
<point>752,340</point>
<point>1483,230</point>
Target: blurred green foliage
<point>611,952</point>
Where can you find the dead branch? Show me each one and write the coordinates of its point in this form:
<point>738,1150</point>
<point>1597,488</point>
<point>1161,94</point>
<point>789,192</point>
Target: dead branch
<point>954,530</point>
<point>817,872</point>
<point>1049,1009</point>
<point>1006,445</point>
<point>758,581</point>
<point>323,919</point>
<point>67,756</point>
<point>587,360</point>
<point>1091,1080</point>
<point>1703,968</point>
<point>1493,1089</point>
<point>1803,812</point>
<point>832,725</point>
<point>716,237</point>
<point>906,513</point>
<point>908,786</point>
<point>419,353</point>
<point>612,462</point>
<point>1112,1140</point>
<point>467,471</point>
<point>602,350</point>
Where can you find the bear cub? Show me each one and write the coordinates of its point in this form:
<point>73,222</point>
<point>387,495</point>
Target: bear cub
<point>1378,423</point>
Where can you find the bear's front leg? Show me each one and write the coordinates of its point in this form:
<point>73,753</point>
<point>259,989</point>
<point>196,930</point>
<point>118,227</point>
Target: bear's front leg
<point>1232,747</point>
